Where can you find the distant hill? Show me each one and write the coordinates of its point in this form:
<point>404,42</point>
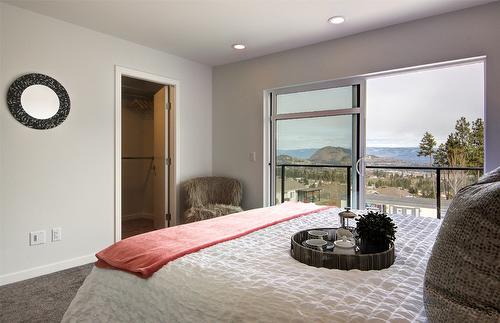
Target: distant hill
<point>332,155</point>
<point>298,153</point>
<point>407,154</point>
<point>286,159</point>
<point>404,156</point>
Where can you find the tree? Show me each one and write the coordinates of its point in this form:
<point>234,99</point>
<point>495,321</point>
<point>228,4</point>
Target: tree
<point>463,147</point>
<point>441,156</point>
<point>426,147</point>
<point>462,132</point>
<point>476,144</point>
<point>441,160</point>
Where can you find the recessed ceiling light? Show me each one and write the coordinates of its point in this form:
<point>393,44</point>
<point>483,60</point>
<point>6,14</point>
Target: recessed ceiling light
<point>238,46</point>
<point>336,20</point>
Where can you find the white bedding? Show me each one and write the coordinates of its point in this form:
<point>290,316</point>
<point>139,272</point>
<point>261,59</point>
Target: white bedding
<point>254,279</point>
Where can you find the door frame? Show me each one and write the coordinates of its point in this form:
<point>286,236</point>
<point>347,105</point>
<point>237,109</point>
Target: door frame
<point>269,145</point>
<point>174,122</point>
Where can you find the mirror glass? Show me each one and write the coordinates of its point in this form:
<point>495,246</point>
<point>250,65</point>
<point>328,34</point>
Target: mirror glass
<point>40,101</point>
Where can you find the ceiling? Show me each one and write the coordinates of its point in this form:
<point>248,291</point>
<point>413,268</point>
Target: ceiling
<point>204,30</point>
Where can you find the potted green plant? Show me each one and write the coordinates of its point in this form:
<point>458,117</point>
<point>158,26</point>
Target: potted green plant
<point>375,230</point>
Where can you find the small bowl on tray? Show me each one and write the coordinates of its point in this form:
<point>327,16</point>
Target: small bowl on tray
<point>318,244</point>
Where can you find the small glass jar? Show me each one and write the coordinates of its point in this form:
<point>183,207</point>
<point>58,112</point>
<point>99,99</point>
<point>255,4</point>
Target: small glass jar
<point>344,217</point>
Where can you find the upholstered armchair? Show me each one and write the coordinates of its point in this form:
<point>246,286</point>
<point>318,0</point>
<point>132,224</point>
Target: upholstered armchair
<point>210,197</point>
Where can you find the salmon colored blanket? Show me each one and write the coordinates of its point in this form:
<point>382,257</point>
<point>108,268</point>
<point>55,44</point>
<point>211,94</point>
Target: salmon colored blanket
<point>144,254</point>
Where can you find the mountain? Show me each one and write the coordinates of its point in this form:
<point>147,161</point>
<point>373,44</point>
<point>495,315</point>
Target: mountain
<point>407,154</point>
<point>403,156</point>
<point>286,159</point>
<point>332,155</point>
<point>298,153</point>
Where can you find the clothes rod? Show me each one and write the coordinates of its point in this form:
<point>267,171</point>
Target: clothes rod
<point>137,157</point>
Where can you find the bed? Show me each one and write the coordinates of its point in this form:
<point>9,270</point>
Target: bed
<point>253,278</point>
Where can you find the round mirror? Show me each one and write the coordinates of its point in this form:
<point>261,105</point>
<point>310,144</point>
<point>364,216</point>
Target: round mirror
<point>40,101</point>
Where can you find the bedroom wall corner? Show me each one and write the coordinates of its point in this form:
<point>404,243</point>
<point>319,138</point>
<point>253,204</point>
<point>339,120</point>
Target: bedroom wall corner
<point>64,177</point>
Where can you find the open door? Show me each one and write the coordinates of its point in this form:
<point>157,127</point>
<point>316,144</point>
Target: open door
<point>161,158</point>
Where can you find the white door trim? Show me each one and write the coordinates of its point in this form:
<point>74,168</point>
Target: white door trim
<point>175,169</point>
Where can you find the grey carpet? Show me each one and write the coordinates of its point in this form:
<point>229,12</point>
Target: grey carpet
<point>41,299</point>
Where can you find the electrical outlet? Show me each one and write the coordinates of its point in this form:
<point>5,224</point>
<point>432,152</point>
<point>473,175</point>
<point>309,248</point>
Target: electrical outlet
<point>56,234</point>
<point>37,237</point>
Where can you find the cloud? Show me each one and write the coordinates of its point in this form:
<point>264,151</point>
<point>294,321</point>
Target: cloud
<point>400,109</point>
<point>404,106</point>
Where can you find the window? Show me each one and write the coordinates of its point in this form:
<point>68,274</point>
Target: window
<point>315,131</point>
<point>315,100</point>
<point>428,118</point>
<point>409,139</point>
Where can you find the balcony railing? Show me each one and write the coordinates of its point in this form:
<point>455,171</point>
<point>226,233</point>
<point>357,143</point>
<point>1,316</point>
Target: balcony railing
<point>437,171</point>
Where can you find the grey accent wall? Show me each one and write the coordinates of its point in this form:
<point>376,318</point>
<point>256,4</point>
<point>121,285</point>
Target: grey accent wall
<point>238,88</point>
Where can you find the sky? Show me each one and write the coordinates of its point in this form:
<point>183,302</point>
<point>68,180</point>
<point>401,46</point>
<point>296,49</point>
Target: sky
<point>400,109</point>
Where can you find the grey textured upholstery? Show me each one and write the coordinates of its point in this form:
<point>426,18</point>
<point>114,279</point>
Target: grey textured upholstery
<point>462,281</point>
<point>209,197</point>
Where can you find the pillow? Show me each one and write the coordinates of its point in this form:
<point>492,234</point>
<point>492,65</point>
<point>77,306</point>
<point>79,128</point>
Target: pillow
<point>462,280</point>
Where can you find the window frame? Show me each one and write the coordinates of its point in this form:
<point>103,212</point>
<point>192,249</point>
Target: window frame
<point>271,118</point>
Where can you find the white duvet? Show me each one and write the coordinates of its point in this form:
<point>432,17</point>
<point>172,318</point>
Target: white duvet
<point>254,279</point>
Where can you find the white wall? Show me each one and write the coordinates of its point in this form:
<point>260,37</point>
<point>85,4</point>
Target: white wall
<point>238,87</point>
<point>64,177</point>
<point>2,227</point>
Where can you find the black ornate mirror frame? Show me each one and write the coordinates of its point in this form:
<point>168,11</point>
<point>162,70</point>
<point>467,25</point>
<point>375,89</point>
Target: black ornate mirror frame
<point>14,101</point>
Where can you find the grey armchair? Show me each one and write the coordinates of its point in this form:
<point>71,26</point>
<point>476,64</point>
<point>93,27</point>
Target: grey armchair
<point>210,197</point>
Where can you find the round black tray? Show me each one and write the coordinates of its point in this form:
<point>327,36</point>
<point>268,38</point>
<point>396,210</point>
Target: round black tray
<point>331,260</point>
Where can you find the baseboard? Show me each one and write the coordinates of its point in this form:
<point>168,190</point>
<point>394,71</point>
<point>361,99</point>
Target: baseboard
<point>45,269</point>
<point>134,216</point>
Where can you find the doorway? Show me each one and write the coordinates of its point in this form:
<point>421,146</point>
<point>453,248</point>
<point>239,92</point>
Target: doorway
<point>145,153</point>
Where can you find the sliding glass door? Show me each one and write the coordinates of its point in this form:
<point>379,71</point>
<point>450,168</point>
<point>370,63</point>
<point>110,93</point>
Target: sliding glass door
<point>423,142</point>
<point>316,133</point>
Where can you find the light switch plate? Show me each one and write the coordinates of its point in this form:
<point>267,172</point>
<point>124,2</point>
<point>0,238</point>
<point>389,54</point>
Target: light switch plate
<point>37,237</point>
<point>56,234</point>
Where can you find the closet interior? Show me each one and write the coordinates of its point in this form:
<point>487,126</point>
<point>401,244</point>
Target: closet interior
<point>144,156</point>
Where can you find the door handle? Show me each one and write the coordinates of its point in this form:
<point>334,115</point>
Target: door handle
<point>360,173</point>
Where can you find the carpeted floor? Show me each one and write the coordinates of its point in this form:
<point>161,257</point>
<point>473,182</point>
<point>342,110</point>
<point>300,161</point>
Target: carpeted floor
<point>41,299</point>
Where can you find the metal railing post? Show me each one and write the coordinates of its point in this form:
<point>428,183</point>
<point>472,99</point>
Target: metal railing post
<point>282,183</point>
<point>438,192</point>
<point>348,168</point>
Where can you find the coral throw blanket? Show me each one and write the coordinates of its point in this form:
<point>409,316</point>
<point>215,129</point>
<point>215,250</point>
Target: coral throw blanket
<point>144,254</point>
